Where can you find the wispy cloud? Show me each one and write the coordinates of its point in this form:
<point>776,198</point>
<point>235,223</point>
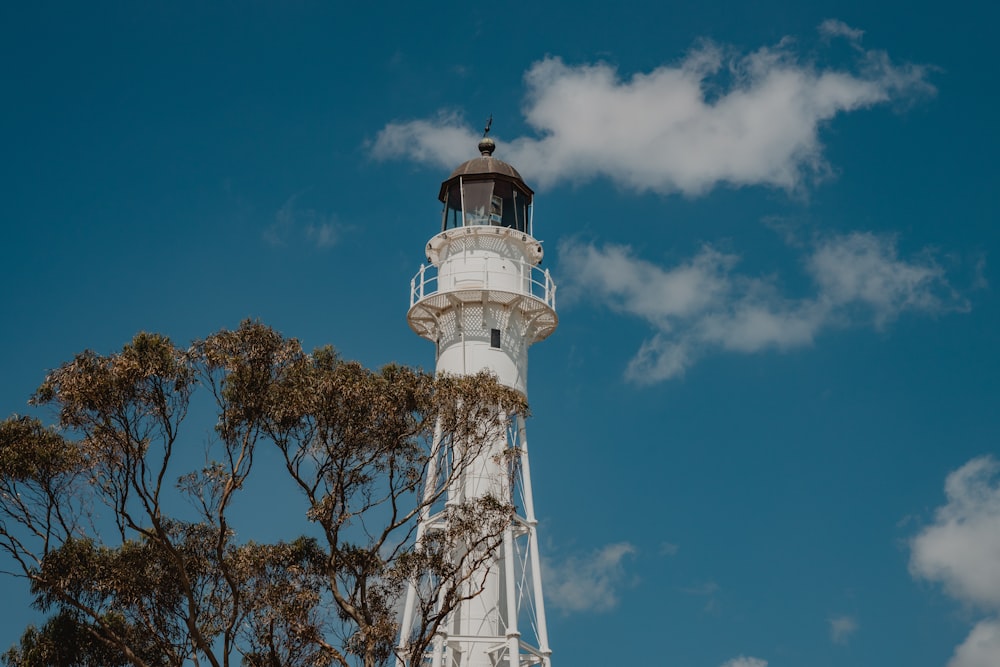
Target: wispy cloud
<point>842,627</point>
<point>705,589</point>
<point>588,583</point>
<point>744,661</point>
<point>837,28</point>
<point>294,224</point>
<point>323,235</point>
<point>961,550</point>
<point>716,117</point>
<point>703,304</point>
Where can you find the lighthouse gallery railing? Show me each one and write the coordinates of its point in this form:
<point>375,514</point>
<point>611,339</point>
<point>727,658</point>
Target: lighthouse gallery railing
<point>526,279</point>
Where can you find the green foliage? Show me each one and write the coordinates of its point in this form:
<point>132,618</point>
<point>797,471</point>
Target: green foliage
<point>150,588</point>
<point>31,452</point>
<point>66,640</point>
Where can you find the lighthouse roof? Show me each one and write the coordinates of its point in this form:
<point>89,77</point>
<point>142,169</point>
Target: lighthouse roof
<point>485,167</point>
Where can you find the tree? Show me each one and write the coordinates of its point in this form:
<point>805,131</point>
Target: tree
<point>92,511</point>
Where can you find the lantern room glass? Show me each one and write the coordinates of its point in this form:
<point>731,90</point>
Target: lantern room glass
<point>499,203</point>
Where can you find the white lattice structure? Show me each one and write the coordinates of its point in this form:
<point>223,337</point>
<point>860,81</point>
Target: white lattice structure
<point>483,301</point>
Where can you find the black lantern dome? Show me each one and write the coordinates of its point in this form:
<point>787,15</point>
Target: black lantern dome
<point>486,191</point>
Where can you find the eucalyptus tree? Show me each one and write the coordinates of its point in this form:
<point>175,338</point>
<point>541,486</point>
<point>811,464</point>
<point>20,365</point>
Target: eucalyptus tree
<point>142,554</point>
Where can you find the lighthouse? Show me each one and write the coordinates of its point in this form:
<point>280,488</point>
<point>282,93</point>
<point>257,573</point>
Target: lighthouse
<point>483,300</point>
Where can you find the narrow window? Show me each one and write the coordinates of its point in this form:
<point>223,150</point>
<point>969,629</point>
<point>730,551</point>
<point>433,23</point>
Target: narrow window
<point>495,338</point>
<point>496,210</point>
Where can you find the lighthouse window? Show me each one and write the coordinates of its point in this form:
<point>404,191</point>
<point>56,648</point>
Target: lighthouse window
<point>519,213</point>
<point>495,338</point>
<point>478,196</point>
<point>496,210</point>
<point>453,208</point>
<point>512,206</point>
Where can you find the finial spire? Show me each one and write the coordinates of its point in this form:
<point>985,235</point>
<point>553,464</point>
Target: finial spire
<point>487,145</point>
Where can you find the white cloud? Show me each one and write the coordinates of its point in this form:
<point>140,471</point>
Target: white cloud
<point>702,304</point>
<point>443,140</point>
<point>588,583</point>
<point>841,628</point>
<point>981,648</point>
<point>961,550</point>
<point>710,119</point>
<point>744,661</point>
<point>865,269</point>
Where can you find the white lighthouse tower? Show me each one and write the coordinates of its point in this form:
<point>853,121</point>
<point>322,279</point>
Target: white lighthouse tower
<point>483,300</point>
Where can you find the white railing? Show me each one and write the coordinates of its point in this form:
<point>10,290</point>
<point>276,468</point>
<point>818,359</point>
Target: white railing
<point>524,278</point>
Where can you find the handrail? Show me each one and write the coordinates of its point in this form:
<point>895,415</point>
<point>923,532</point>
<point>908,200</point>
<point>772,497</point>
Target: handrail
<point>529,280</point>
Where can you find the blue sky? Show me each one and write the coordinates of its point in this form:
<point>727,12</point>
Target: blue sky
<point>765,430</point>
